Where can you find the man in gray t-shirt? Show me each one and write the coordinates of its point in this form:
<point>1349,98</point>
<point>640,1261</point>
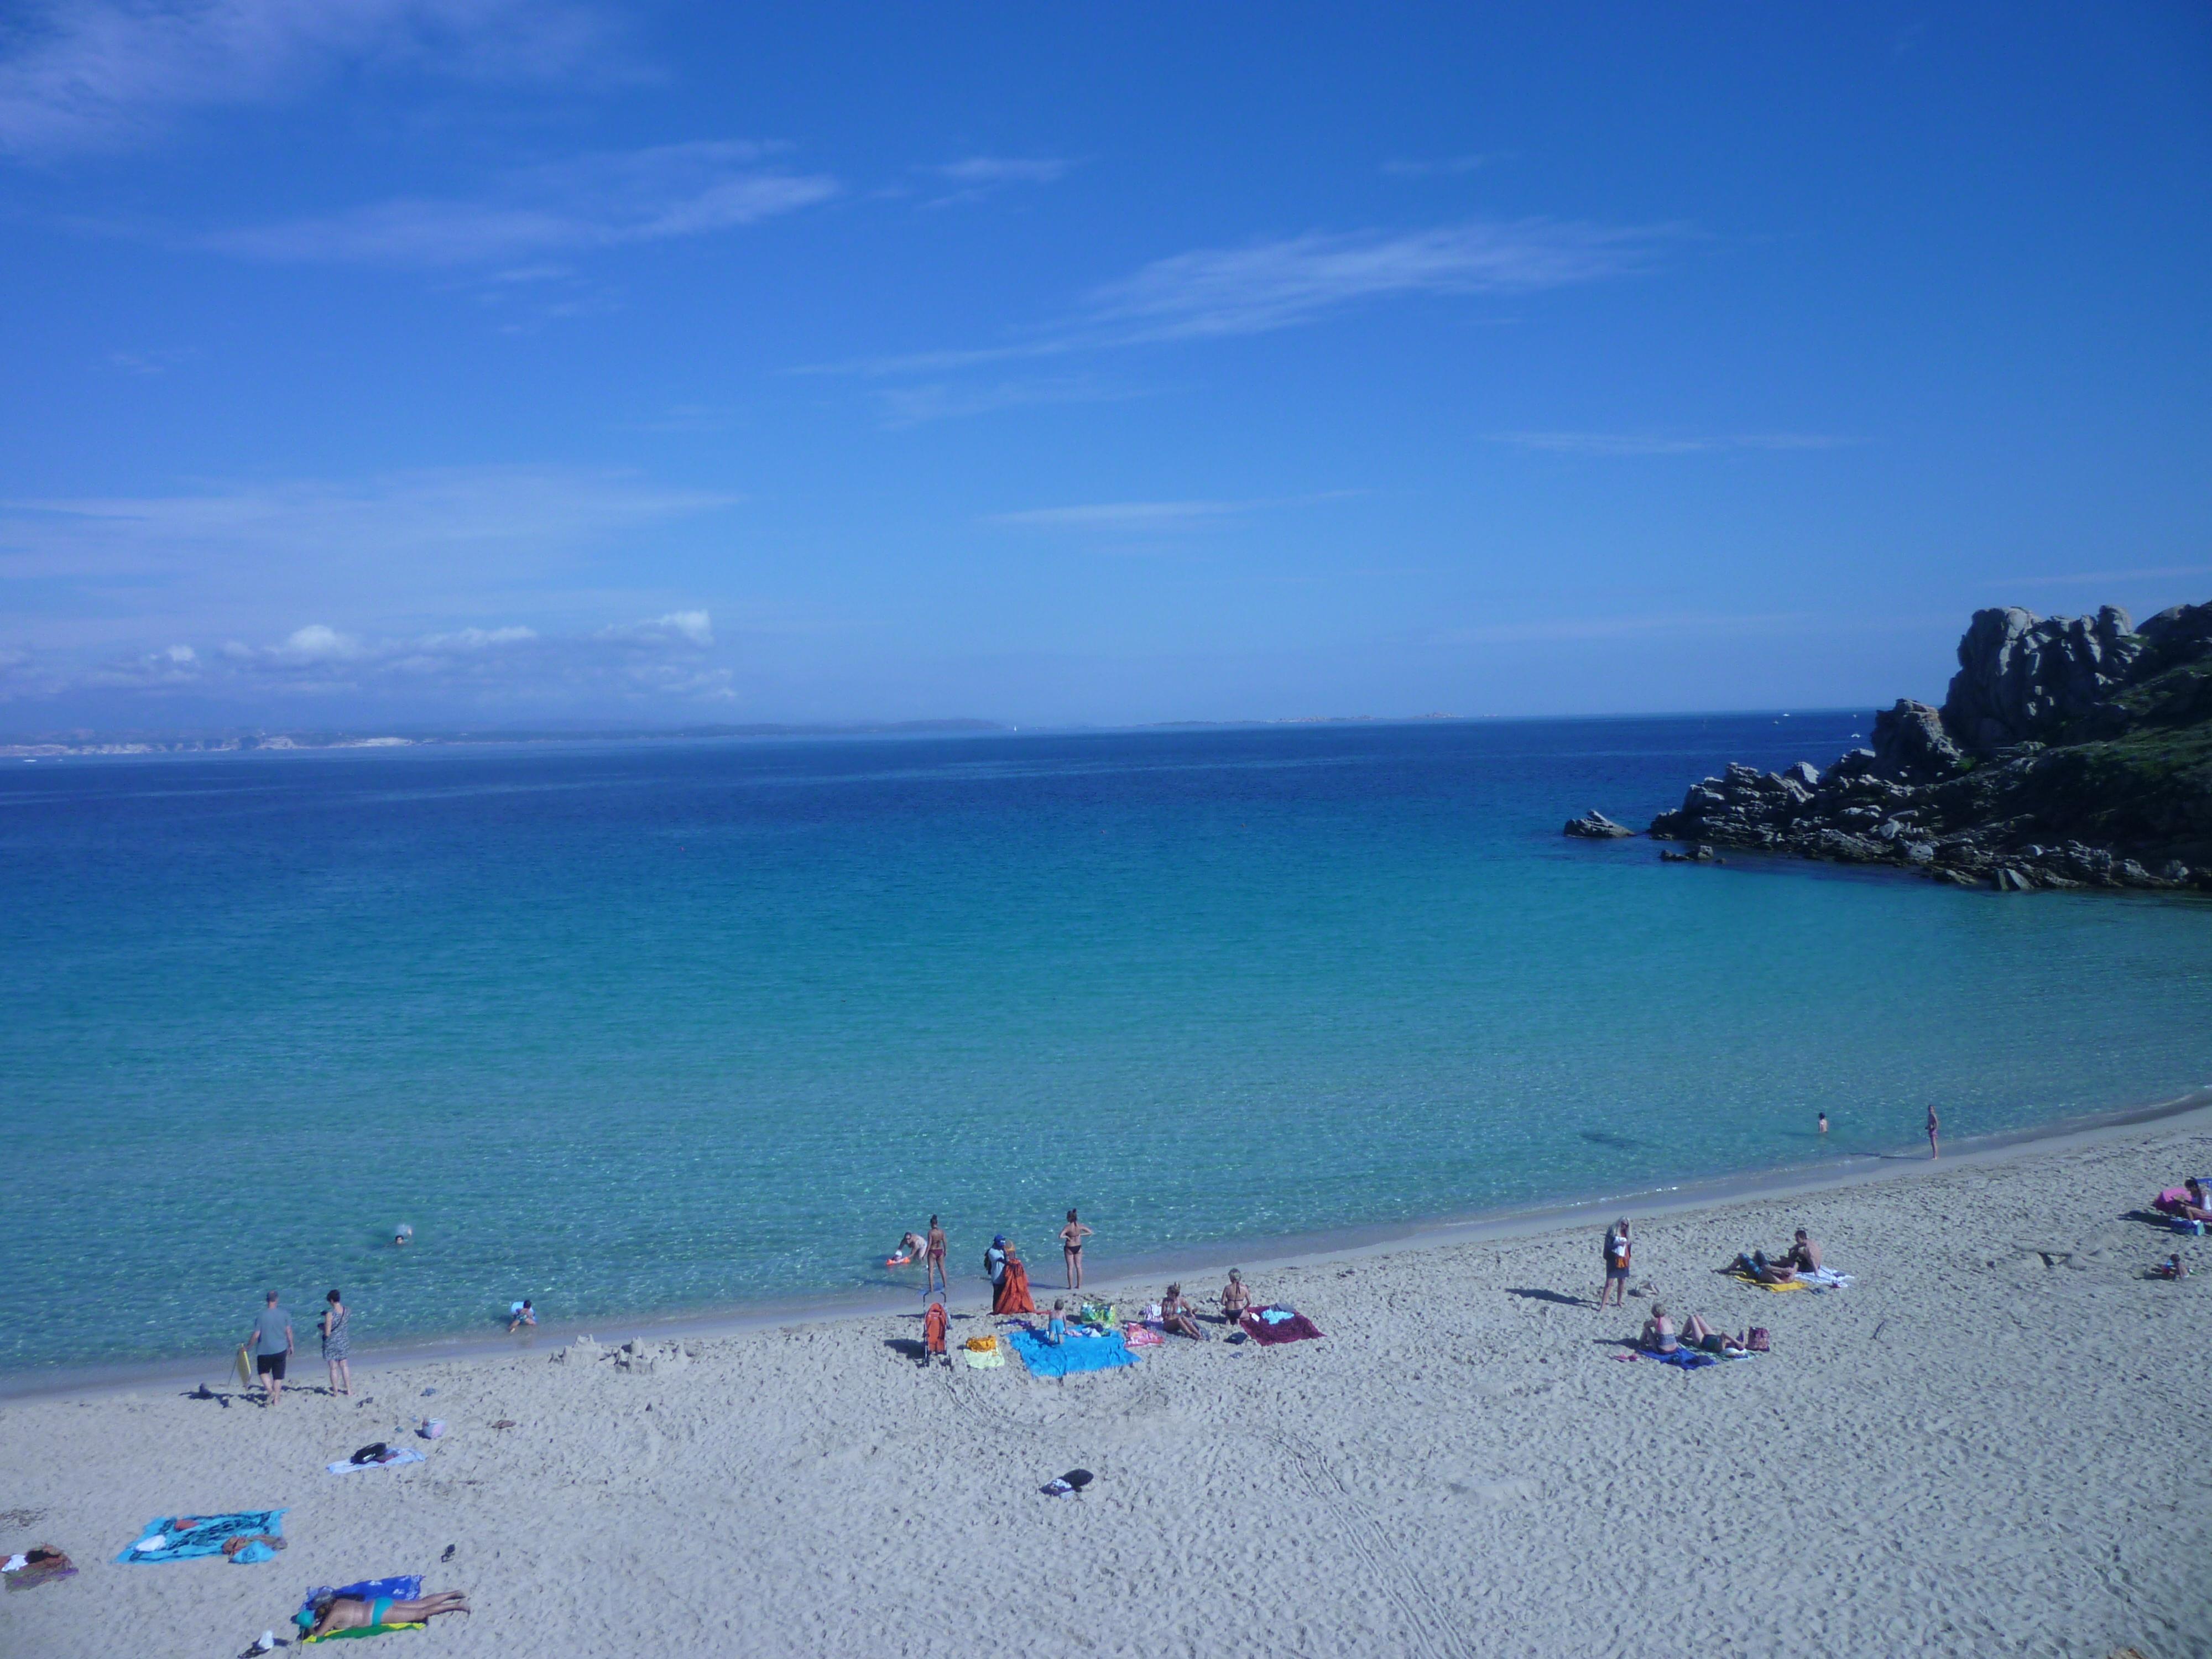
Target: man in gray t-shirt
<point>270,1342</point>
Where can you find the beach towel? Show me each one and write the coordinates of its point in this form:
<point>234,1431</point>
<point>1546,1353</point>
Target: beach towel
<point>1825,1279</point>
<point>1079,1354</point>
<point>983,1353</point>
<point>1143,1336</point>
<point>179,1537</point>
<point>1689,1358</point>
<point>933,1323</point>
<point>23,1572</point>
<point>1271,1325</point>
<point>1013,1295</point>
<point>390,1460</point>
<point>1761,1285</point>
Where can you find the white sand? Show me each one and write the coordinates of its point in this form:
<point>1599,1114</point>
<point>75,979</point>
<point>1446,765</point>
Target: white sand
<point>2020,1463</point>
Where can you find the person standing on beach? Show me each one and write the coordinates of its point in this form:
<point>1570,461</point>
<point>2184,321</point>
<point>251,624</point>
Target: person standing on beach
<point>1616,1252</point>
<point>337,1345</point>
<point>1071,1249</point>
<point>270,1339</point>
<point>1934,1151</point>
<point>934,1273</point>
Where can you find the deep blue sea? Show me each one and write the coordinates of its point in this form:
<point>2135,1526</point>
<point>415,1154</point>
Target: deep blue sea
<point>658,1026</point>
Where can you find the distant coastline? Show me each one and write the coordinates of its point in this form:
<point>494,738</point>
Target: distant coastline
<point>232,742</point>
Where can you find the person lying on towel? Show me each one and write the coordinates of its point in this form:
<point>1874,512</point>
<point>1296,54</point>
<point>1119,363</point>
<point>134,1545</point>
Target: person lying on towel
<point>1756,1266</point>
<point>1699,1335</point>
<point>1178,1315</point>
<point>337,1612</point>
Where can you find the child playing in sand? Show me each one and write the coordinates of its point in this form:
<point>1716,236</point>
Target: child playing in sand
<point>2172,1267</point>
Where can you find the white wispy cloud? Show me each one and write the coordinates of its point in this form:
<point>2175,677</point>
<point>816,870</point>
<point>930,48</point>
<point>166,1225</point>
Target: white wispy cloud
<point>939,400</point>
<point>1653,443</point>
<point>1262,286</point>
<point>91,74</point>
<point>2091,578</point>
<point>974,178</point>
<point>667,658</point>
<point>1001,170</point>
<point>1152,515</point>
<point>1440,167</point>
<point>589,202</point>
<point>1654,623</point>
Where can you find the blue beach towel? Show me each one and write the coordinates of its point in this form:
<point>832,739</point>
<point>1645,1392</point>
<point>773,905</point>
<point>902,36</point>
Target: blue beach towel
<point>1101,1352</point>
<point>204,1536</point>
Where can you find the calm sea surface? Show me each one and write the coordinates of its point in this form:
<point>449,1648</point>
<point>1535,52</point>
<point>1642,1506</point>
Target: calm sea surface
<point>639,1027</point>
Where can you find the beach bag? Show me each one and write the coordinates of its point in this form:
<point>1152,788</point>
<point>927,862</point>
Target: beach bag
<point>375,1452</point>
<point>1758,1341</point>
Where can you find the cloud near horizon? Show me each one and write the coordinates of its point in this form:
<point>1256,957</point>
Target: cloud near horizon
<point>93,76</point>
<point>660,659</point>
<point>401,549</point>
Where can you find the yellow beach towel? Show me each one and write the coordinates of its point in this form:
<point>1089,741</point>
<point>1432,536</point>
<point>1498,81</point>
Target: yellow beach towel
<point>1761,1285</point>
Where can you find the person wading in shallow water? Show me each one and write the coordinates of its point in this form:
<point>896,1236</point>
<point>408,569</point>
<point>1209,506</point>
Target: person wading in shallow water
<point>1071,1249</point>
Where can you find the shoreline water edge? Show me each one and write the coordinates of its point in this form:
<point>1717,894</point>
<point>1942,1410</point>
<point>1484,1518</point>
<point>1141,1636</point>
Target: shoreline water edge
<point>1272,1253</point>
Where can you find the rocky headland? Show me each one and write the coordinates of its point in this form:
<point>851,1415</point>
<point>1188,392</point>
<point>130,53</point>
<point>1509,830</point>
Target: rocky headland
<point>2070,752</point>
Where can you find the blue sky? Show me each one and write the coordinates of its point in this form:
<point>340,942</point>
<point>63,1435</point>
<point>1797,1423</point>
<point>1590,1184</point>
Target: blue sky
<point>386,361</point>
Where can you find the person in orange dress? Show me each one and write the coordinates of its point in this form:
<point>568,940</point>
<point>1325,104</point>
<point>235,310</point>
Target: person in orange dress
<point>1013,1292</point>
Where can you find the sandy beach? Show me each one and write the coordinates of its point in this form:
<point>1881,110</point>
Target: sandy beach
<point>1993,1442</point>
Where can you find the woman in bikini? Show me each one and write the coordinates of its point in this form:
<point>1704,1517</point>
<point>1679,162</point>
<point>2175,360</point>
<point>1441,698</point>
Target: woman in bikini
<point>1236,1296</point>
<point>337,1612</point>
<point>1178,1315</point>
<point>1071,1249</point>
<point>935,1273</point>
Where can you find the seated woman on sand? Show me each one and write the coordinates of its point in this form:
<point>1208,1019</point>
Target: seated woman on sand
<point>337,1612</point>
<point>1234,1297</point>
<point>1658,1335</point>
<point>1178,1315</point>
<point>2193,1203</point>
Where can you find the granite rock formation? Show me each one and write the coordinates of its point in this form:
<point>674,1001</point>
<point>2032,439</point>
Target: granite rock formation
<point>2069,753</point>
<point>1595,826</point>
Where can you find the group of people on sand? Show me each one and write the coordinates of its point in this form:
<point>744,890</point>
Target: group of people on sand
<point>1660,1334</point>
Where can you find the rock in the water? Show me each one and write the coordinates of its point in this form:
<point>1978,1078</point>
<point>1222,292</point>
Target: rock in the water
<point>2070,752</point>
<point>1595,826</point>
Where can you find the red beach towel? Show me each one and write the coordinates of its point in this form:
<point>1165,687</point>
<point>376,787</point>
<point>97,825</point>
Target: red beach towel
<point>1296,1328</point>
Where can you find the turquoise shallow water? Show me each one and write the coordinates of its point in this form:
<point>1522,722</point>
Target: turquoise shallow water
<point>636,1027</point>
